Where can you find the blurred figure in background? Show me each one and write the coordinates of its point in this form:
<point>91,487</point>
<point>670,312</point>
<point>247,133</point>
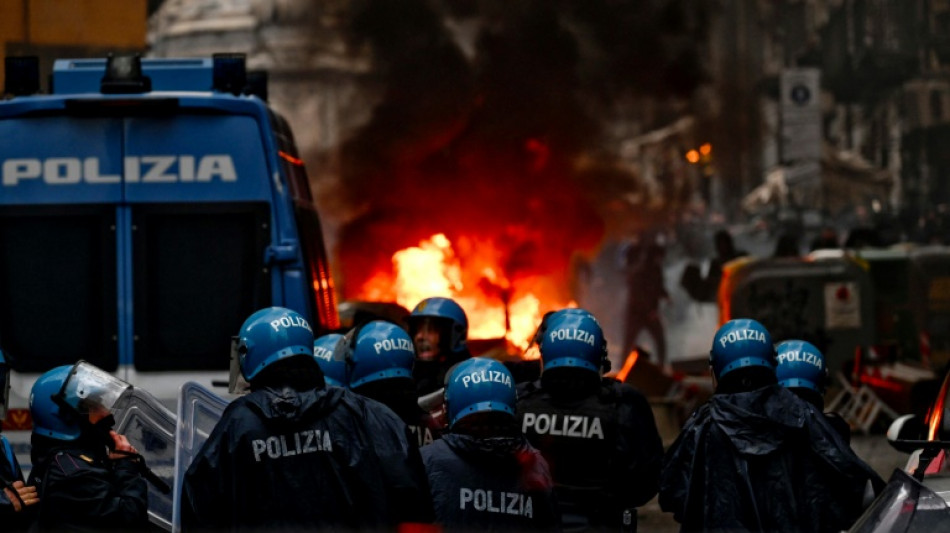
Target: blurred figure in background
<point>483,473</point>
<point>706,289</point>
<point>756,457</point>
<point>645,290</point>
<point>597,434</point>
<point>827,239</point>
<point>787,246</point>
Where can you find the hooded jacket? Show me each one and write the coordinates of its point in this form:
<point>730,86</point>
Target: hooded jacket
<point>763,460</point>
<point>305,460</point>
<point>489,484</point>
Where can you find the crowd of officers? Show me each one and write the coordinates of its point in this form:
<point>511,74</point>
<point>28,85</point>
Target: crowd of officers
<point>332,436</point>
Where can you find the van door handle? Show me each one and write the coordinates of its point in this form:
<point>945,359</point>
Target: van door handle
<point>281,253</point>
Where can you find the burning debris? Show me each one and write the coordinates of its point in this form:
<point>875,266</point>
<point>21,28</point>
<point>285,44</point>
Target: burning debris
<point>496,307</point>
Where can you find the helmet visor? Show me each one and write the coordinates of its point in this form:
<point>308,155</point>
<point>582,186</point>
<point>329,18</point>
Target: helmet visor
<point>236,382</point>
<point>90,390</point>
<point>343,350</point>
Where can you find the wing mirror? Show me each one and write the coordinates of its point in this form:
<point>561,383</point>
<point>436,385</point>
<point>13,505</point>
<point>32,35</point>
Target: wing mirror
<point>906,434</point>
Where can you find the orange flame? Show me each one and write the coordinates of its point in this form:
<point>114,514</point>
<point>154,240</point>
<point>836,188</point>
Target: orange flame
<point>496,306</point>
<point>628,365</point>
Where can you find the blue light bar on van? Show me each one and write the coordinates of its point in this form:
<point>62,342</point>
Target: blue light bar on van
<point>21,75</point>
<point>230,73</point>
<point>257,84</point>
<point>124,76</point>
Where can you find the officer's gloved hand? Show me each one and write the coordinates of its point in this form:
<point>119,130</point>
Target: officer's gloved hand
<point>123,448</point>
<point>21,495</point>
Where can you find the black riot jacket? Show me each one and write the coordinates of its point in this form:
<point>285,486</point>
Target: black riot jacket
<point>603,448</point>
<point>482,484</point>
<point>304,460</point>
<point>400,397</point>
<point>763,460</point>
<point>80,489</point>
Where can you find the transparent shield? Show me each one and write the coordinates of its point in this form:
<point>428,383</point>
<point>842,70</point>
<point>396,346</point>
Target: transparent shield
<point>150,428</point>
<point>236,382</point>
<point>89,389</point>
<point>199,410</point>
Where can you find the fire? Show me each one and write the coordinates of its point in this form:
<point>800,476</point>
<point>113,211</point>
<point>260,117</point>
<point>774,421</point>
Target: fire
<point>496,306</point>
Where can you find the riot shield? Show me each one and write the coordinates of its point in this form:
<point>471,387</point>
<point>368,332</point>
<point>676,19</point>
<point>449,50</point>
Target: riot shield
<point>199,410</point>
<point>150,428</point>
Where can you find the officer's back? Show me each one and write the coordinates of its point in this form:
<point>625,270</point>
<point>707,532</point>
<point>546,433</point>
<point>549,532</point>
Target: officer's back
<point>379,359</point>
<point>294,454</point>
<point>598,435</point>
<point>756,457</point>
<point>483,473</point>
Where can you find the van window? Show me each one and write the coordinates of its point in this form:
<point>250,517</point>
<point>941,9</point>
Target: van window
<point>58,286</point>
<point>197,276</point>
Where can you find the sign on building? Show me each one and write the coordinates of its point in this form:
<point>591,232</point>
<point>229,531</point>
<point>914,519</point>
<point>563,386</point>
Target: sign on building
<point>801,115</point>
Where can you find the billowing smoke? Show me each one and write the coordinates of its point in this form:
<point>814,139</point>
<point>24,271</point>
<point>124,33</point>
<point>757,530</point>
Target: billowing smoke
<point>491,118</point>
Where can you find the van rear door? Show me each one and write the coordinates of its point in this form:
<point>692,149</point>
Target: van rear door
<point>58,263</point>
<point>199,194</point>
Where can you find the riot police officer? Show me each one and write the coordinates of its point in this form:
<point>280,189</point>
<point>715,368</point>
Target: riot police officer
<point>756,457</point>
<point>597,434</point>
<point>88,476</point>
<point>483,473</point>
<point>334,370</point>
<point>17,500</point>
<point>801,369</point>
<point>378,359</point>
<point>439,330</point>
<point>294,454</point>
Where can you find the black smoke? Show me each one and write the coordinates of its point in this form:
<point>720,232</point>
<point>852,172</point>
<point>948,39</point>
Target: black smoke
<point>493,135</point>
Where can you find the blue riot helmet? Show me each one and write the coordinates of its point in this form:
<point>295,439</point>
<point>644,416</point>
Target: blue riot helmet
<point>66,396</point>
<point>572,338</point>
<point>376,351</point>
<point>269,335</point>
<point>334,371</point>
<point>447,313</point>
<point>479,385</point>
<point>800,364</point>
<point>741,343</point>
<point>51,419</point>
<point>4,385</point>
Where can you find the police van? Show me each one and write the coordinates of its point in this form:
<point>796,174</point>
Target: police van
<point>147,207</point>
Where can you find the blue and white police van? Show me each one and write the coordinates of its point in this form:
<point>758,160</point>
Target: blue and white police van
<point>147,207</point>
